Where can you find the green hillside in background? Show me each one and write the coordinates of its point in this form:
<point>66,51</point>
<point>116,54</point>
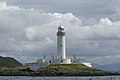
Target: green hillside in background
<point>8,62</point>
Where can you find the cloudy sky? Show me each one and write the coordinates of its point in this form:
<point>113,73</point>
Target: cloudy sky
<point>28,29</point>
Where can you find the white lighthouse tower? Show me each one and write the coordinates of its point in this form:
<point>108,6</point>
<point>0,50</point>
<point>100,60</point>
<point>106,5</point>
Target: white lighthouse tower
<point>61,47</point>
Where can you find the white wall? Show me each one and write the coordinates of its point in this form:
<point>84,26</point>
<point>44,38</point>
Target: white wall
<point>61,48</point>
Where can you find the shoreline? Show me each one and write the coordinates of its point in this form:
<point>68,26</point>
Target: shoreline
<point>54,74</point>
<point>56,70</point>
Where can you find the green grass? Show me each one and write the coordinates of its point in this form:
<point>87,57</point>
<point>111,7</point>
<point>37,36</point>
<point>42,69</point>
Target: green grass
<point>68,67</point>
<point>8,62</point>
<point>19,68</point>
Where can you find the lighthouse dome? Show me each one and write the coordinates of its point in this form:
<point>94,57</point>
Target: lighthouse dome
<point>60,27</point>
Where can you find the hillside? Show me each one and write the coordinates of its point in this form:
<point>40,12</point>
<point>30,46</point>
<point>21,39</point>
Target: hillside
<point>8,62</point>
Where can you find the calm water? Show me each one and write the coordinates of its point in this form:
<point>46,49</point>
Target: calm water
<point>59,78</point>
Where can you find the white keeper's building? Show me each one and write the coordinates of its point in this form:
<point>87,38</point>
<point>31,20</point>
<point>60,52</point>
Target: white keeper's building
<point>61,57</point>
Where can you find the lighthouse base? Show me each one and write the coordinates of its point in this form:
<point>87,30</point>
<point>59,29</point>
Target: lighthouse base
<point>45,62</point>
<point>61,61</point>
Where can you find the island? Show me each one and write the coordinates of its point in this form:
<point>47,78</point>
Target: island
<point>11,67</point>
<point>55,70</point>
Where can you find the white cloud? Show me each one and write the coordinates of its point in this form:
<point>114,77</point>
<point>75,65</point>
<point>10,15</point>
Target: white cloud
<point>115,8</point>
<point>30,32</point>
<point>3,6</point>
<point>86,8</point>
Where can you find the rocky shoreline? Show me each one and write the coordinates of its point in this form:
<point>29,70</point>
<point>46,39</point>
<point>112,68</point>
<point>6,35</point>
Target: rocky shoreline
<point>56,70</point>
<point>56,73</point>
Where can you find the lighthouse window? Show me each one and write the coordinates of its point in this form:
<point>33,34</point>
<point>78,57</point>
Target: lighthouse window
<point>61,45</point>
<point>49,61</point>
<point>61,61</point>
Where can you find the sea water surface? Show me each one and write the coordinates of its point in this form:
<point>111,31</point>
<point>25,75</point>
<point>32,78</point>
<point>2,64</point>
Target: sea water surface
<point>60,78</point>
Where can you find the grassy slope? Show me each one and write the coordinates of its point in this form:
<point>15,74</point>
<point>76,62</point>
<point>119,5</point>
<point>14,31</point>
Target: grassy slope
<point>19,68</point>
<point>71,70</point>
<point>68,67</point>
<point>8,62</point>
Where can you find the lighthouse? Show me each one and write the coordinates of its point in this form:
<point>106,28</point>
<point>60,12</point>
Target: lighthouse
<point>61,57</point>
<point>61,47</point>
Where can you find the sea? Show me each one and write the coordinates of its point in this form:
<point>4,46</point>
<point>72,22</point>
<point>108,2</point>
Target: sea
<point>60,78</point>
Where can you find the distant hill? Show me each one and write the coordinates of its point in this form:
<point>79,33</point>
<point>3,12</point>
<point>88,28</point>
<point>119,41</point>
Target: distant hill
<point>113,67</point>
<point>8,62</point>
